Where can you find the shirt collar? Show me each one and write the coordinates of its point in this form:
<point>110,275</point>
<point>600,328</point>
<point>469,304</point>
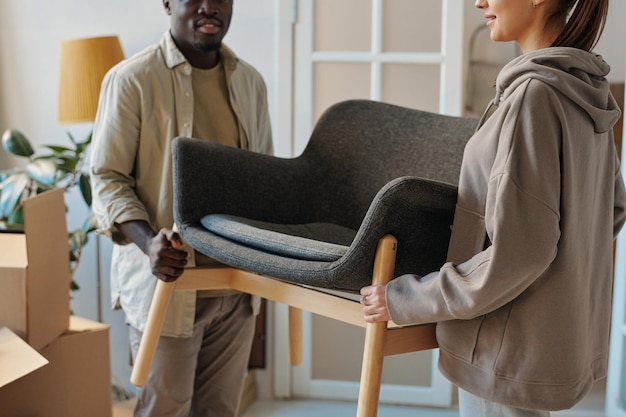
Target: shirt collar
<point>173,56</point>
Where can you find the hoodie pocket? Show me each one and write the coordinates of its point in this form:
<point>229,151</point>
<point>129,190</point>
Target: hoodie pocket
<point>459,338</point>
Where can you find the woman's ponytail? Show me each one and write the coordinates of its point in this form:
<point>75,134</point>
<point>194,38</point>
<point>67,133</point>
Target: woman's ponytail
<point>585,25</point>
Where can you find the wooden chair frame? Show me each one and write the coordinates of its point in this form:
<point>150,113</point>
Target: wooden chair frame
<point>381,339</point>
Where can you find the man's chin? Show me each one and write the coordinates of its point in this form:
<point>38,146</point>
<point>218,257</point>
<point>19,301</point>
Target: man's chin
<point>207,47</point>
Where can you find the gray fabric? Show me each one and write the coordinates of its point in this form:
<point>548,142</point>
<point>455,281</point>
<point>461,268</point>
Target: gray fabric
<point>371,167</point>
<point>294,241</point>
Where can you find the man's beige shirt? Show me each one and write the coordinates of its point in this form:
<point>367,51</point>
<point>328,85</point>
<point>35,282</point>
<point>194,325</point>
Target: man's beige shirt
<point>146,101</point>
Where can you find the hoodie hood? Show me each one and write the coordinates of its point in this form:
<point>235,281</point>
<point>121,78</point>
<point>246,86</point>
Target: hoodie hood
<point>577,74</point>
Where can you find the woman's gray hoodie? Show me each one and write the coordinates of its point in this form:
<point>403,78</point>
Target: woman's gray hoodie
<point>524,303</point>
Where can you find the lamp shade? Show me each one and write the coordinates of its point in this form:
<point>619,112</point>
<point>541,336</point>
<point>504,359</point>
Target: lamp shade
<point>84,62</point>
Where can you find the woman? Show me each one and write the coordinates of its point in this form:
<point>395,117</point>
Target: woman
<point>523,306</point>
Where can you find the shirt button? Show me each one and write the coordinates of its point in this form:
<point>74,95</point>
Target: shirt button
<point>187,94</point>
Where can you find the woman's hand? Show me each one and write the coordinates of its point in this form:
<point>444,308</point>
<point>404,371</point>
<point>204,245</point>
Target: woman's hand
<point>375,303</point>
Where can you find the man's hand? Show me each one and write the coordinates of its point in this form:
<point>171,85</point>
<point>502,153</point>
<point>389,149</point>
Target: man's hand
<point>374,303</point>
<point>165,248</point>
<point>167,255</point>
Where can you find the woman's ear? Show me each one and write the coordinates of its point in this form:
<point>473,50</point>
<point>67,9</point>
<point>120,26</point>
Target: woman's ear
<point>166,5</point>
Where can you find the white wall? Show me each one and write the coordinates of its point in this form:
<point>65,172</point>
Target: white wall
<point>611,45</point>
<point>31,32</point>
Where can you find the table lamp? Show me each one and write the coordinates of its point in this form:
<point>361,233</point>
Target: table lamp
<point>84,62</point>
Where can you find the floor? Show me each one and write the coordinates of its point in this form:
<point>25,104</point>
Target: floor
<point>301,408</point>
<point>124,408</point>
<point>591,406</point>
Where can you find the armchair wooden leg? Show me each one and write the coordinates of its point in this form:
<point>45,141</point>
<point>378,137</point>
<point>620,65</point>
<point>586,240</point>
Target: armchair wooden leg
<point>152,332</point>
<point>372,366</point>
<point>295,336</point>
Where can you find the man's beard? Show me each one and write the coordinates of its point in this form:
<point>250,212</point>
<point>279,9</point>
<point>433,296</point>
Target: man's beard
<point>208,47</point>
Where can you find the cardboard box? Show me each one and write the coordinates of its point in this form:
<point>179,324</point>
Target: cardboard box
<point>35,272</point>
<point>75,383</point>
<point>17,358</point>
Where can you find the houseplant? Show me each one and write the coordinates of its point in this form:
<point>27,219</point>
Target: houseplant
<point>58,166</point>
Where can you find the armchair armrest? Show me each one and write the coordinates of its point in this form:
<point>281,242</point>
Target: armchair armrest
<point>206,176</point>
<point>419,213</point>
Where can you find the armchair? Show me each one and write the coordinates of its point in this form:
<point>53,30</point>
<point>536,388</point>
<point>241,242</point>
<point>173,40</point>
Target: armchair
<point>371,197</point>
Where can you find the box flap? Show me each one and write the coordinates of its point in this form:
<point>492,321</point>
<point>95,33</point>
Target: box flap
<point>49,278</point>
<point>17,358</point>
<point>13,250</point>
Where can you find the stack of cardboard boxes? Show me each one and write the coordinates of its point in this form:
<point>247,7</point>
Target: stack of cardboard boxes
<point>51,364</point>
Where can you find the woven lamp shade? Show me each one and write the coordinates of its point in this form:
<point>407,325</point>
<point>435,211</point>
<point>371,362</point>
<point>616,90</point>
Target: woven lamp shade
<point>84,62</point>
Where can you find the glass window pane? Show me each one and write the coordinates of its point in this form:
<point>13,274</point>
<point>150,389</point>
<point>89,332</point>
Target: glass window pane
<point>412,26</point>
<point>338,351</point>
<point>336,82</point>
<point>330,25</point>
<point>409,369</point>
<point>412,85</point>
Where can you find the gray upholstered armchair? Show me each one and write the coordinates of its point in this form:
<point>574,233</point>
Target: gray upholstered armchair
<point>371,197</point>
<point>363,175</point>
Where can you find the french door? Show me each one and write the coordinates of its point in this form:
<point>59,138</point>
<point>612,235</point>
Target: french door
<point>404,52</point>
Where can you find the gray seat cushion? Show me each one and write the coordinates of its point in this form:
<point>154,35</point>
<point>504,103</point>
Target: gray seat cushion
<point>324,242</point>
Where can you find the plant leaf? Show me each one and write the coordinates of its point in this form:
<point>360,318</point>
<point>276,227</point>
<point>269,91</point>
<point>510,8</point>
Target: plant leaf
<point>13,188</point>
<point>14,142</point>
<point>58,149</point>
<point>43,171</point>
<point>84,185</point>
<point>16,219</point>
<point>66,163</point>
<point>76,241</point>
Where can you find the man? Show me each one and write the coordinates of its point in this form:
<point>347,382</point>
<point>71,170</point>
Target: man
<point>187,85</point>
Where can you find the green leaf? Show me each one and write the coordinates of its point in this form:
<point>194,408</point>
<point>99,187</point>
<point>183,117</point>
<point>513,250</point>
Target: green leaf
<point>84,185</point>
<point>76,241</point>
<point>16,219</point>
<point>66,163</point>
<point>14,142</point>
<point>12,190</point>
<point>43,171</point>
<point>58,149</point>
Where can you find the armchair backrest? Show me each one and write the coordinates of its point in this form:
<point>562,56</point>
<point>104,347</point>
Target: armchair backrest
<point>357,146</point>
